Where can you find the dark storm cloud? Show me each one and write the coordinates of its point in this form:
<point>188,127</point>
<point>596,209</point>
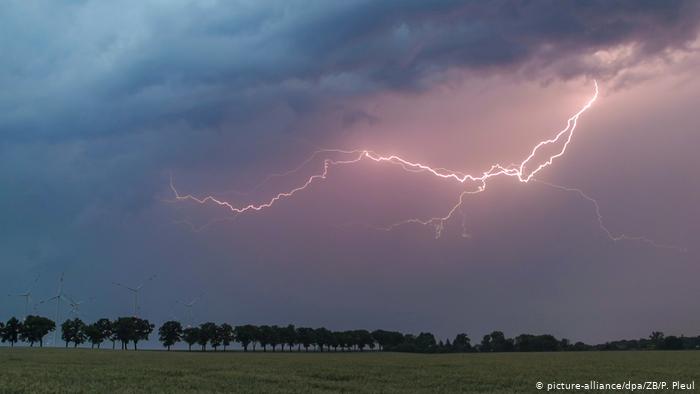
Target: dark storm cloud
<point>89,68</point>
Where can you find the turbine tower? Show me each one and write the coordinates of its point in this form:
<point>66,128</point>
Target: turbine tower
<point>59,295</point>
<point>188,308</point>
<point>27,296</point>
<point>135,291</point>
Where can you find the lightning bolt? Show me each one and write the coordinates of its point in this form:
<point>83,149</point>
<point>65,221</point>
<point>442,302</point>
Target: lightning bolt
<point>523,172</point>
<point>601,223</point>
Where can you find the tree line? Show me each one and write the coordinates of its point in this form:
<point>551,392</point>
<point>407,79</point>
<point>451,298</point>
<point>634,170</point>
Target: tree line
<point>132,330</point>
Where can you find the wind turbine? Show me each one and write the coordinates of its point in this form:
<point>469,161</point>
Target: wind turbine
<point>27,296</point>
<point>135,290</point>
<point>59,295</point>
<point>75,305</point>
<point>188,306</point>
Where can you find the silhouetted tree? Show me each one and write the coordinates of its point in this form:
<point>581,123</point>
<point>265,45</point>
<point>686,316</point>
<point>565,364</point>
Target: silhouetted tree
<point>263,336</point>
<point>447,347</point>
<point>462,343</point>
<point>216,339</point>
<point>226,334</point>
<point>123,330</point>
<point>245,335</point>
<point>207,332</point>
<point>362,339</point>
<point>672,342</point>
<point>339,339</point>
<point>255,335</point>
<point>289,336</point>
<point>347,340</point>
<point>170,333</point>
<point>306,336</point>
<point>691,342</point>
<point>657,339</point>
<point>94,335</point>
<point>496,342</point>
<point>536,343</point>
<point>485,345</point>
<point>132,329</point>
<point>105,328</point>
<point>275,337</point>
<point>114,338</point>
<point>323,337</point>
<point>190,335</point>
<point>564,344</point>
<point>408,344</point>
<point>35,328</point>
<point>142,328</point>
<point>425,342</point>
<point>73,331</point>
<point>333,341</point>
<point>10,332</point>
<point>387,340</point>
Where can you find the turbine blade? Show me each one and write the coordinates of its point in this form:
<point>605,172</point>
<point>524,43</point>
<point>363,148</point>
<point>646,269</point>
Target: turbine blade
<point>48,299</point>
<point>124,286</point>
<point>150,278</point>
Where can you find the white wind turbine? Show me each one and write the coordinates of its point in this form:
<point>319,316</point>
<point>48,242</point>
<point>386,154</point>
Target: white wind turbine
<point>135,291</point>
<point>59,295</point>
<point>188,308</point>
<point>75,305</point>
<point>27,296</point>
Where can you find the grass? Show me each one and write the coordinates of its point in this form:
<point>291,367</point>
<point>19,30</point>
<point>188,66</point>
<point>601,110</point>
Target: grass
<point>102,371</point>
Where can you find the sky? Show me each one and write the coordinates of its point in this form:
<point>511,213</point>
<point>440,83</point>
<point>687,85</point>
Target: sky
<point>102,104</point>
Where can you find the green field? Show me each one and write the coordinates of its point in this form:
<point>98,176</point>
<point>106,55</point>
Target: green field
<point>84,370</point>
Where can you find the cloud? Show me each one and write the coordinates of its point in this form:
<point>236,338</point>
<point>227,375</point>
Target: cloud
<point>89,68</point>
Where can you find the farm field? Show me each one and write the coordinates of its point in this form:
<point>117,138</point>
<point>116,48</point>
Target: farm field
<point>84,370</point>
